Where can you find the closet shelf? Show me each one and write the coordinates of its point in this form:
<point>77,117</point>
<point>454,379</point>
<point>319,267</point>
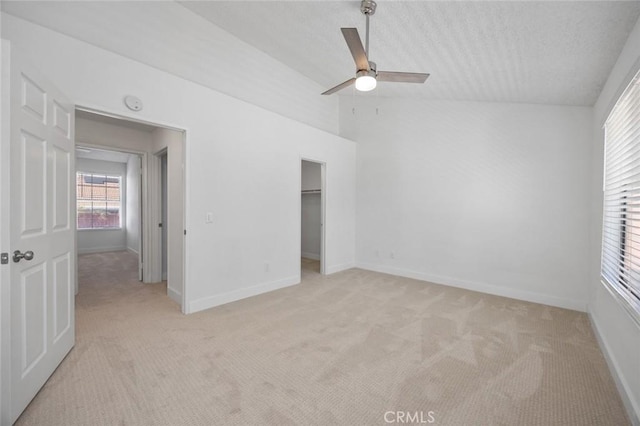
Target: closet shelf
<point>311,191</point>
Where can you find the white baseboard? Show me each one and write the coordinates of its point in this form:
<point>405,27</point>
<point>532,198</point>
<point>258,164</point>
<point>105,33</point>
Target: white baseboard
<point>129,249</point>
<point>174,295</point>
<point>243,293</point>
<point>576,305</point>
<point>338,268</point>
<point>632,408</point>
<point>313,256</point>
<point>100,250</point>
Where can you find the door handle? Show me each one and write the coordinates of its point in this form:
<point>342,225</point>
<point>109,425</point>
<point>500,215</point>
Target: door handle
<point>27,255</point>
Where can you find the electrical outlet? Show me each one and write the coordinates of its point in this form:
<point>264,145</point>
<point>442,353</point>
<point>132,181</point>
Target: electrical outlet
<point>267,267</point>
<point>208,218</point>
<point>377,252</point>
<point>392,255</point>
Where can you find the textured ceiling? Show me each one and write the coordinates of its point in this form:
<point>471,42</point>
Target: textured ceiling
<point>536,52</point>
<point>547,52</point>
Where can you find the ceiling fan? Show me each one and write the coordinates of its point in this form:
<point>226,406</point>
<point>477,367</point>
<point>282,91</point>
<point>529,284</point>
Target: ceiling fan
<point>367,74</point>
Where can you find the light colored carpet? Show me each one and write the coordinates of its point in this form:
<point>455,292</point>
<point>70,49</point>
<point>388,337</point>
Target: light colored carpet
<point>343,350</point>
<point>309,265</point>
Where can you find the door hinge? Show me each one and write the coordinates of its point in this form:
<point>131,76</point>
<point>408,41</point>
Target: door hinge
<point>4,258</point>
<point>185,232</point>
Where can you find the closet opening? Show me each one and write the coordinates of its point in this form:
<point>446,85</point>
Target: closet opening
<point>312,202</point>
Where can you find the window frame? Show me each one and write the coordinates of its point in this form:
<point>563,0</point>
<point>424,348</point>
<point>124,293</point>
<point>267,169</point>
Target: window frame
<point>627,294</point>
<point>121,218</point>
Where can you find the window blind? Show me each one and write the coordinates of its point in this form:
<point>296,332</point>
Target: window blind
<point>621,216</point>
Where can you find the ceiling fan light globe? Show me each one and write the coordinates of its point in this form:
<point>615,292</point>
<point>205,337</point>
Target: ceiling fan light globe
<point>365,83</point>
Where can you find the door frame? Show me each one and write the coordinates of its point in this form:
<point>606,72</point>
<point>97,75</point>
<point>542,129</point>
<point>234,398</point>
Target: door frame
<point>323,209</point>
<point>162,180</point>
<point>174,231</point>
<point>152,188</point>
<point>5,227</point>
<point>142,243</point>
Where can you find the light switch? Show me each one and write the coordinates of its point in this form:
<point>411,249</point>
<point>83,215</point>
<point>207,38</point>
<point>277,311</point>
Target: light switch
<point>208,217</point>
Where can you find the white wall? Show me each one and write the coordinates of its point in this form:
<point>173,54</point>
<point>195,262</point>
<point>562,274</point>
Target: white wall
<point>171,142</point>
<point>486,196</point>
<point>247,175</point>
<point>133,204</point>
<point>311,205</point>
<point>619,334</point>
<point>194,48</point>
<point>94,132</point>
<point>102,240</point>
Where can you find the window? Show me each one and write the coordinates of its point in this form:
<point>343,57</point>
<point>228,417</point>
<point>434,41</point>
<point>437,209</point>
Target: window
<point>98,198</point>
<point>621,216</point>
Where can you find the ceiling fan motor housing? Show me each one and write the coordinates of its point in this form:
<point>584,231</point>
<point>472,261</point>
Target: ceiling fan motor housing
<point>362,73</point>
<point>373,67</point>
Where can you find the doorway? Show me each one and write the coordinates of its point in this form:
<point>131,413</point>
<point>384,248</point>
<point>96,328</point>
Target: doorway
<point>161,194</point>
<point>312,201</point>
<point>108,202</point>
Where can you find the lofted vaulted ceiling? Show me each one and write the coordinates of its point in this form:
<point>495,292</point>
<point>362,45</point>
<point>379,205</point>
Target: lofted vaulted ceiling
<point>548,52</point>
<point>515,51</point>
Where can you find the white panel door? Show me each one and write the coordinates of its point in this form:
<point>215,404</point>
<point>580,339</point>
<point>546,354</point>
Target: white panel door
<point>43,224</point>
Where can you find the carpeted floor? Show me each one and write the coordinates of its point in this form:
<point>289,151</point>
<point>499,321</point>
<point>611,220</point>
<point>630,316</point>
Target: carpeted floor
<point>309,267</point>
<point>353,348</point>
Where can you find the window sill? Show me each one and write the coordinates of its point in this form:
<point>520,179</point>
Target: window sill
<point>98,229</point>
<point>630,305</point>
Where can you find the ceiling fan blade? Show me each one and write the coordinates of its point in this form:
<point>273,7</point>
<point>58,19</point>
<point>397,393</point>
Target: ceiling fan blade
<point>402,77</point>
<point>340,86</point>
<point>355,46</point>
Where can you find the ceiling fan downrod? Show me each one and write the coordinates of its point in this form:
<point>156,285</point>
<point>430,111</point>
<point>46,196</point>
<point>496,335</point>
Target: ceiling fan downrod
<point>368,8</point>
